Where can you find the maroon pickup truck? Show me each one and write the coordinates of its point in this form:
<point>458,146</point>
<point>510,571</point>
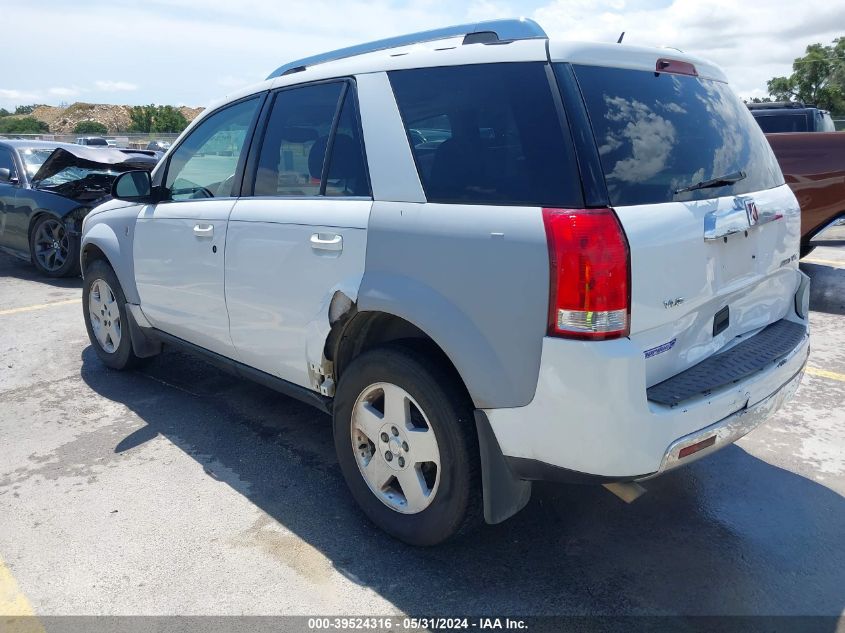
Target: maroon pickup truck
<point>813,164</point>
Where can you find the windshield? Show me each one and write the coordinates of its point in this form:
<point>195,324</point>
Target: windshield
<point>659,133</point>
<point>69,174</point>
<point>34,158</point>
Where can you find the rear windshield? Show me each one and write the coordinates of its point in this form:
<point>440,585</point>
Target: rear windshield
<point>658,133</point>
<point>774,123</point>
<point>488,134</point>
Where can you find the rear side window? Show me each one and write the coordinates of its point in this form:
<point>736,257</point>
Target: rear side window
<point>657,133</point>
<point>786,122</point>
<point>488,134</point>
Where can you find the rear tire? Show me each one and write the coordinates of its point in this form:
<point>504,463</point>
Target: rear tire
<point>104,309</point>
<point>429,490</point>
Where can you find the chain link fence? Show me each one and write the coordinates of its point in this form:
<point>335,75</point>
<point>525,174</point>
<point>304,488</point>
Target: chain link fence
<point>130,141</point>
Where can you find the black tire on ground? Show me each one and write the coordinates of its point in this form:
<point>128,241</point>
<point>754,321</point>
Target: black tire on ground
<point>123,356</point>
<point>457,506</point>
<point>70,266</point>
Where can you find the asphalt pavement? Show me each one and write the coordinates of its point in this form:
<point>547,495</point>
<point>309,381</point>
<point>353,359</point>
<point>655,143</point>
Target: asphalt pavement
<point>179,489</point>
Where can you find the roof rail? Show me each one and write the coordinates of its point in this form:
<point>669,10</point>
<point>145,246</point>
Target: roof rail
<point>476,32</point>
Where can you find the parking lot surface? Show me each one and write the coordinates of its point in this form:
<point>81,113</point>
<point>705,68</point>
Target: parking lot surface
<point>178,489</point>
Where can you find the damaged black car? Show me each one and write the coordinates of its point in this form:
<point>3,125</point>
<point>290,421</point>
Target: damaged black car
<point>46,189</point>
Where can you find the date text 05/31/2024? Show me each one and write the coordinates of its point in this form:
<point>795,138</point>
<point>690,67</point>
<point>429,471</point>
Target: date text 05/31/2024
<point>413,624</point>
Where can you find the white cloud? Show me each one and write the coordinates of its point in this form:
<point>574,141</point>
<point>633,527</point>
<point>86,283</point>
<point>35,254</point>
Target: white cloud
<point>115,86</point>
<point>751,41</point>
<point>18,96</point>
<point>64,92</point>
<point>205,48</point>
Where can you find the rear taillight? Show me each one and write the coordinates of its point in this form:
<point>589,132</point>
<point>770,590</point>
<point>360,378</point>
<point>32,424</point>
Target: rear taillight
<point>589,294</point>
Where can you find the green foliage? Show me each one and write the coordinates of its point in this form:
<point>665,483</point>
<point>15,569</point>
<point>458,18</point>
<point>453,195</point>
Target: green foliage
<point>761,100</point>
<point>90,127</point>
<point>4,112</point>
<point>142,118</point>
<point>818,78</point>
<point>24,125</point>
<point>26,109</point>
<point>169,119</point>
<point>153,118</point>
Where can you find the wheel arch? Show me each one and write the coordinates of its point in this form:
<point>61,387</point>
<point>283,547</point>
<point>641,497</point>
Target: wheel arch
<point>358,332</point>
<point>101,242</point>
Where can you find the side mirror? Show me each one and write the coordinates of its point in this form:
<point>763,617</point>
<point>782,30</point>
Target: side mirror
<point>5,174</point>
<point>133,186</point>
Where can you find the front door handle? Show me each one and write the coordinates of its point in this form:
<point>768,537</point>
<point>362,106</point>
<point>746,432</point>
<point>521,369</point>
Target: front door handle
<point>327,242</point>
<point>204,230</point>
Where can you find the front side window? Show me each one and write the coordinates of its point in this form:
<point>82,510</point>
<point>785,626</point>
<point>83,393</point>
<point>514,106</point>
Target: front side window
<point>488,134</point>
<point>660,133</point>
<point>204,164</point>
<point>7,161</point>
<point>298,146</point>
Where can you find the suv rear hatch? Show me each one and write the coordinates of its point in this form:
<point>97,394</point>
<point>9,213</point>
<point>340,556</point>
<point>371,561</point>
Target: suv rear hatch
<point>713,231</point>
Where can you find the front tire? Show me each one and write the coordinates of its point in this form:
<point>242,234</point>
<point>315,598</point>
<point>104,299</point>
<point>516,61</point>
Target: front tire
<point>407,445</point>
<point>54,251</point>
<point>104,308</point>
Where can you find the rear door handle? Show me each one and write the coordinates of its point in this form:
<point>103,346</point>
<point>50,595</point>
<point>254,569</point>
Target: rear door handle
<point>327,242</point>
<point>204,230</point>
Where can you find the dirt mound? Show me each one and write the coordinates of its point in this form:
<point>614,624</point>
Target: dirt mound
<point>114,117</point>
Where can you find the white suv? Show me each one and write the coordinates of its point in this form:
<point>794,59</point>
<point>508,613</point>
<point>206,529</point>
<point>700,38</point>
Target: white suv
<point>492,257</point>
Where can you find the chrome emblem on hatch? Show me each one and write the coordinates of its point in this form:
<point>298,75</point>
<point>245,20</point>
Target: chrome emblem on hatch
<point>752,212</point>
<point>672,303</point>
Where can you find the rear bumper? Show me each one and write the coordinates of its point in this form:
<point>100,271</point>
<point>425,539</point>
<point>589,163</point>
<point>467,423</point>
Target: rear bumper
<point>591,420</point>
<point>727,431</point>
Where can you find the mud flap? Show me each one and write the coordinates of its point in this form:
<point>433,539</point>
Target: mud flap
<point>504,495</point>
<point>143,345</point>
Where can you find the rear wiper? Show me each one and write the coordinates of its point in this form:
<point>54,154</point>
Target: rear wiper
<point>721,181</point>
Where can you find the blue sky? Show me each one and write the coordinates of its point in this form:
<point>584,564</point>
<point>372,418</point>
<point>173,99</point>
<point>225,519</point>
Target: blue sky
<point>191,52</point>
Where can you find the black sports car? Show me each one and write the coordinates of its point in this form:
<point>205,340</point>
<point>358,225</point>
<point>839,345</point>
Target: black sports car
<point>45,191</point>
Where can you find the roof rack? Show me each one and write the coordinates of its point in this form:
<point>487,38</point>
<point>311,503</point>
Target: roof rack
<point>474,33</point>
<point>778,105</point>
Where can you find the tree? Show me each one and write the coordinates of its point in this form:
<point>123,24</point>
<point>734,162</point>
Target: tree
<point>141,118</point>
<point>26,109</point>
<point>90,127</point>
<point>23,125</point>
<point>169,119</point>
<point>818,77</point>
<point>4,112</point>
<point>761,100</point>
<point>153,118</point>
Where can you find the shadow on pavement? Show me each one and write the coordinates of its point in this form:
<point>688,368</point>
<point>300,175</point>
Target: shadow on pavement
<point>13,267</point>
<point>728,535</point>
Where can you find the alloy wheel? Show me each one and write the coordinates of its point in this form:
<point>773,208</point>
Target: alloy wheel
<point>105,316</point>
<point>395,448</point>
<point>52,245</point>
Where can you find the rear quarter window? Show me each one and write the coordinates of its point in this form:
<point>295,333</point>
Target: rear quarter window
<point>657,133</point>
<point>488,134</point>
